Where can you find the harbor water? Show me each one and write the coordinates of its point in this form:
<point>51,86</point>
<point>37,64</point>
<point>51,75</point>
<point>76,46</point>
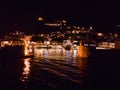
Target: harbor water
<point>59,69</point>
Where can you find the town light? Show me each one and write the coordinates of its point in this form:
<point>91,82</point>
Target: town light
<point>40,19</point>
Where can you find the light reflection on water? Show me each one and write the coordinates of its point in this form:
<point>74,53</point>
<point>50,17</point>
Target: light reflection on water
<point>59,69</point>
<point>70,56</point>
<point>61,54</point>
<point>62,64</point>
<point>26,70</point>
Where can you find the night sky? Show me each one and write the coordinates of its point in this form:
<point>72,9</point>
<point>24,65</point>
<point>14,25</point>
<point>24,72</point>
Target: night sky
<point>22,15</point>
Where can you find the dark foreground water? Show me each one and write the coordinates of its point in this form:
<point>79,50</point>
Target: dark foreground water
<point>59,70</point>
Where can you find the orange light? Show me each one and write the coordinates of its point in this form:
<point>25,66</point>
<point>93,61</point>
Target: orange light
<point>26,70</point>
<point>40,19</point>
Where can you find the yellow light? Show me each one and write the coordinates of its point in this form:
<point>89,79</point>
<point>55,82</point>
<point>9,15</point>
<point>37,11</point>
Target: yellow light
<point>91,28</point>
<point>26,70</point>
<point>40,19</point>
<point>64,21</point>
<point>99,34</point>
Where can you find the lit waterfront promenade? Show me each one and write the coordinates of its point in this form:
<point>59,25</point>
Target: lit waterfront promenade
<point>27,47</point>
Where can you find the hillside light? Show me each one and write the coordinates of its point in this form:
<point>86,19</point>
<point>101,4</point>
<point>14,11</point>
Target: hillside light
<point>40,19</point>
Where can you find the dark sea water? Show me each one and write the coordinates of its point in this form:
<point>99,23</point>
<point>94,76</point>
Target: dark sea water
<point>59,69</point>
